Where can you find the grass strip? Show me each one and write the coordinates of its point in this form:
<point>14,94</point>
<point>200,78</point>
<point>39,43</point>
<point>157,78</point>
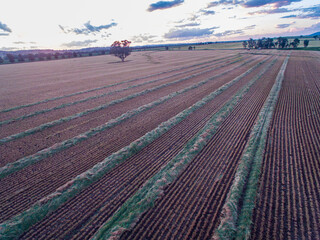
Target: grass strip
<point>129,213</point>
<point>8,121</point>
<point>58,147</point>
<point>236,220</point>
<point>20,223</point>
<point>107,86</point>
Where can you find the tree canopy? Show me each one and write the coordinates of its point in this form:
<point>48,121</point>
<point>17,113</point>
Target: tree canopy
<point>121,49</point>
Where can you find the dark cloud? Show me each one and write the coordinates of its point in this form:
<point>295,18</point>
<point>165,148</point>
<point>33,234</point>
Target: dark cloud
<point>4,34</point>
<point>253,3</point>
<point>79,43</point>
<point>228,33</point>
<point>88,28</point>
<point>188,33</point>
<point>143,38</point>
<point>5,28</point>
<point>310,12</point>
<point>164,5</point>
<point>290,16</point>
<point>188,25</point>
<point>275,3</point>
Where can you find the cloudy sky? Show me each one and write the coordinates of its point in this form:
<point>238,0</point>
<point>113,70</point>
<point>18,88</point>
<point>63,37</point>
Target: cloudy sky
<point>70,24</point>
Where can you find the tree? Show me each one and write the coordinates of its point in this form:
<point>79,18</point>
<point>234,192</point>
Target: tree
<point>251,43</point>
<point>49,56</point>
<point>121,49</point>
<point>305,43</point>
<point>315,37</point>
<point>20,58</point>
<point>56,55</point>
<point>244,44</point>
<point>282,42</point>
<point>1,60</point>
<point>295,43</point>
<point>31,57</point>
<point>10,57</point>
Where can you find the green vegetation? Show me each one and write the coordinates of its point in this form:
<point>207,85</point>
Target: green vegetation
<point>101,107</point>
<point>145,198</point>
<point>237,210</point>
<point>32,159</point>
<point>14,227</point>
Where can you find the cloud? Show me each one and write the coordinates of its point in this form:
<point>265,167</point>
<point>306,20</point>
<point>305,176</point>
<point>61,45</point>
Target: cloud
<point>143,38</point>
<point>310,12</point>
<point>228,33</point>
<point>207,12</point>
<point>283,25</point>
<point>188,25</point>
<point>313,28</point>
<point>275,3</point>
<point>234,32</point>
<point>290,16</point>
<point>223,2</point>
<point>188,33</point>
<point>250,27</point>
<point>88,28</point>
<point>4,34</point>
<point>164,5</point>
<point>79,43</point>
<point>253,3</point>
<point>5,28</point>
<point>271,11</point>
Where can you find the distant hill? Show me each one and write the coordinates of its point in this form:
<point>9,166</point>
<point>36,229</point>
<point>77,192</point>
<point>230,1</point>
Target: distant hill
<point>315,34</point>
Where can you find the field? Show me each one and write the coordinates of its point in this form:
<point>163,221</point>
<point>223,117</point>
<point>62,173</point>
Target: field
<point>216,144</point>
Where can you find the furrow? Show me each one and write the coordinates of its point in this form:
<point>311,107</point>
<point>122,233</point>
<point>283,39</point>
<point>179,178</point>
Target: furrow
<point>144,199</point>
<point>50,201</point>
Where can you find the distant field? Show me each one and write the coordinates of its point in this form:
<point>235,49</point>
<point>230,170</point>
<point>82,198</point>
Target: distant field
<point>166,145</point>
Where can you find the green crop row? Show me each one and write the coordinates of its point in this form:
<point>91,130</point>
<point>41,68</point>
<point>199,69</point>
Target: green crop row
<point>107,86</point>
<point>145,198</point>
<point>14,227</point>
<point>237,219</point>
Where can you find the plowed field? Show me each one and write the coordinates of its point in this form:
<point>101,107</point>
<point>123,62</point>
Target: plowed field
<point>149,148</point>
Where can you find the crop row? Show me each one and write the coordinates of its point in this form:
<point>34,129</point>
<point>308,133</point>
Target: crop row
<point>98,108</point>
<point>190,207</point>
<point>289,197</point>
<point>218,91</point>
<point>26,161</point>
<point>105,86</point>
<point>56,170</point>
<point>237,217</point>
<point>36,113</point>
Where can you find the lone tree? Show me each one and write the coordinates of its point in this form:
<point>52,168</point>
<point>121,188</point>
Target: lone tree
<point>121,49</point>
<point>305,43</point>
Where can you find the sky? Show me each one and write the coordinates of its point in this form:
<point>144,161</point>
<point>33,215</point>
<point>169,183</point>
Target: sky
<point>74,24</point>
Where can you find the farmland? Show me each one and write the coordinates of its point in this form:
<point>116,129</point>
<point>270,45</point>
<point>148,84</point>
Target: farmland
<point>167,145</point>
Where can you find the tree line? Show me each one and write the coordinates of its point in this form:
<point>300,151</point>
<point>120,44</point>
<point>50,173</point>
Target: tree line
<point>13,58</point>
<point>280,42</point>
